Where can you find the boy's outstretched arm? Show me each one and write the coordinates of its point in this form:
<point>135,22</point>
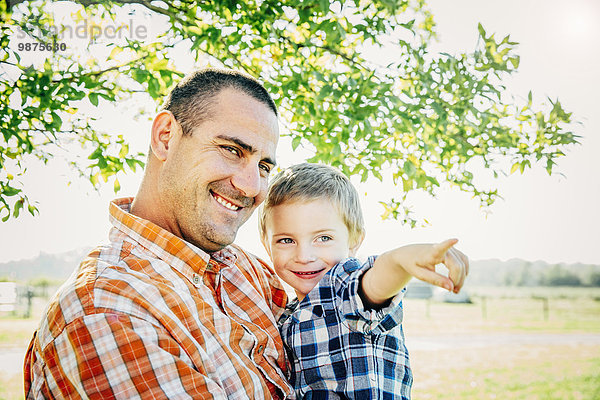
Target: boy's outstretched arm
<point>393,269</point>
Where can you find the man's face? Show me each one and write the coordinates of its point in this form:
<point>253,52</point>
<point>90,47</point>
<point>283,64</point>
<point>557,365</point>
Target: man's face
<point>213,179</point>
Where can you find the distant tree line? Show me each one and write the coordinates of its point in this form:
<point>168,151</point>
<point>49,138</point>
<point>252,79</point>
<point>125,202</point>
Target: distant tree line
<point>49,270</point>
<point>552,275</point>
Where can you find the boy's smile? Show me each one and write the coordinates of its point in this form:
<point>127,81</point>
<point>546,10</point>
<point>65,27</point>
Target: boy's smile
<point>305,239</point>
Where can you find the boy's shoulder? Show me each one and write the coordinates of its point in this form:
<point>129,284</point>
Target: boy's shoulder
<point>349,267</point>
<point>339,284</point>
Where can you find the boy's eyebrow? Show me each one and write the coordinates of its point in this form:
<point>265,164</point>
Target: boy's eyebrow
<point>322,230</point>
<point>245,146</point>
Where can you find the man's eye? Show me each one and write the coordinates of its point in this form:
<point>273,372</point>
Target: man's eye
<point>285,241</point>
<point>265,167</point>
<point>232,150</point>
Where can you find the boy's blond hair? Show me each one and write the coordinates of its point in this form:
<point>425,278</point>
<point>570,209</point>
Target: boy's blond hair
<point>308,182</point>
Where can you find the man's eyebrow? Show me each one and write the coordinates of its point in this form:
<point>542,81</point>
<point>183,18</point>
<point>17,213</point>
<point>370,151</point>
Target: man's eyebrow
<point>239,142</point>
<point>245,146</point>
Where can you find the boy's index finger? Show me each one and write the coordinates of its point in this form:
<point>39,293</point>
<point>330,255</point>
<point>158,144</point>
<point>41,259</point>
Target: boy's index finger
<point>442,247</point>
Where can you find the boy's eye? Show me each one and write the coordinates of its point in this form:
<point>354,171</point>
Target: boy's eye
<point>324,238</point>
<point>285,241</point>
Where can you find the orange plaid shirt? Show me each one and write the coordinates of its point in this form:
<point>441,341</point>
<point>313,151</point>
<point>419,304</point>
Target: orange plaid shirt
<point>152,316</point>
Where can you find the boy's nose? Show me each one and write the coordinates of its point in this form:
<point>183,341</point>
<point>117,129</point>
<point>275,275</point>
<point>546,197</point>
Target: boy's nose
<point>305,254</point>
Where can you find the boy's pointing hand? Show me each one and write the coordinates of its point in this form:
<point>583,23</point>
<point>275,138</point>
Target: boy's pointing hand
<point>456,262</point>
<point>393,270</point>
<point>420,261</point>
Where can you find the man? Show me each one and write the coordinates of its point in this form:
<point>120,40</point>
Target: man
<point>169,309</point>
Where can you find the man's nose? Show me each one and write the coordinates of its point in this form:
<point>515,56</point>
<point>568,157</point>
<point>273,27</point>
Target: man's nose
<point>248,180</point>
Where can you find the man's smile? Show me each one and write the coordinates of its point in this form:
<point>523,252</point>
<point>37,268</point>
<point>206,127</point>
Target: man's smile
<point>225,203</point>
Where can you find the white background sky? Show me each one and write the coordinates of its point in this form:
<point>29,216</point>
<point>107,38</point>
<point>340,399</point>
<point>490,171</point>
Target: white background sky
<point>556,219</point>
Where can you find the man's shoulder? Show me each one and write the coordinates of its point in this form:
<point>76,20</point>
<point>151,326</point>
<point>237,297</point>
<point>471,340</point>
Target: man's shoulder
<point>103,264</point>
<point>74,299</point>
<point>110,278</point>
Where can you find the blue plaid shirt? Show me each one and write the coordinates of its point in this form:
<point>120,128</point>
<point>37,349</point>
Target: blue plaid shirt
<point>340,350</point>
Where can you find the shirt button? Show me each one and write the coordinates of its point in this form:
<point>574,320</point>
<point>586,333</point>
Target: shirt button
<point>260,349</point>
<point>373,379</point>
<point>196,279</point>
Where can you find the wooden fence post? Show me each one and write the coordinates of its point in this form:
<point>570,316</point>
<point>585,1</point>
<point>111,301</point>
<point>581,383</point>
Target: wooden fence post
<point>545,306</point>
<point>483,307</point>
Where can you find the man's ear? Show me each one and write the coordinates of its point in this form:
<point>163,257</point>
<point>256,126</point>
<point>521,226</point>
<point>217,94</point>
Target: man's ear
<point>164,129</point>
<point>355,247</point>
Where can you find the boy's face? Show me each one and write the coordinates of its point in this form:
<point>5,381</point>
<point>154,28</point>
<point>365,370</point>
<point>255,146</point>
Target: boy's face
<point>304,240</point>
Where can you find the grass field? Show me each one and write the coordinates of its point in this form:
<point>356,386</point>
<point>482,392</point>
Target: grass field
<point>532,343</point>
<point>511,344</point>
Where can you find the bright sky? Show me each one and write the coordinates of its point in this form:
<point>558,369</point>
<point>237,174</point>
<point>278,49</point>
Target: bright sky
<point>556,218</point>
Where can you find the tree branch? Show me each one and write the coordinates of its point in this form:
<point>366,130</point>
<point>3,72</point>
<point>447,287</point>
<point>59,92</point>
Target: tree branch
<point>11,3</point>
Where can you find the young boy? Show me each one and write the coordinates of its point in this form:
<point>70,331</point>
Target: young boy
<point>344,333</point>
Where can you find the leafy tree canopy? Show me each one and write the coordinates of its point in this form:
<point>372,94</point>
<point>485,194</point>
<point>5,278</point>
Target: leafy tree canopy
<point>421,119</point>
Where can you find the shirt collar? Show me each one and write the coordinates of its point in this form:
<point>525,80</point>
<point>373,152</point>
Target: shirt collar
<point>173,250</point>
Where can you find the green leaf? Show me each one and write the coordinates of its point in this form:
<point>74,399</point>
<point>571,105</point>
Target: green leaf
<point>96,154</point>
<point>124,150</point>
<point>140,75</point>
<point>409,169</point>
<point>336,151</point>
<point>94,99</point>
<point>296,141</point>
<point>94,179</point>
<point>18,207</point>
<point>77,95</point>
<point>115,51</point>
<point>153,88</point>
<point>32,209</point>
<point>131,163</point>
<point>10,191</point>
<point>515,167</point>
<point>377,175</point>
<point>324,5</point>
<point>481,30</point>
<point>56,121</point>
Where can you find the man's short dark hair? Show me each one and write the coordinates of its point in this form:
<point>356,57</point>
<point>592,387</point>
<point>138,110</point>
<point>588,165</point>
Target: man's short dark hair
<point>192,99</point>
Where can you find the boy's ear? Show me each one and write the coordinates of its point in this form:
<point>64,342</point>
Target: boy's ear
<point>354,248</point>
<point>164,127</point>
